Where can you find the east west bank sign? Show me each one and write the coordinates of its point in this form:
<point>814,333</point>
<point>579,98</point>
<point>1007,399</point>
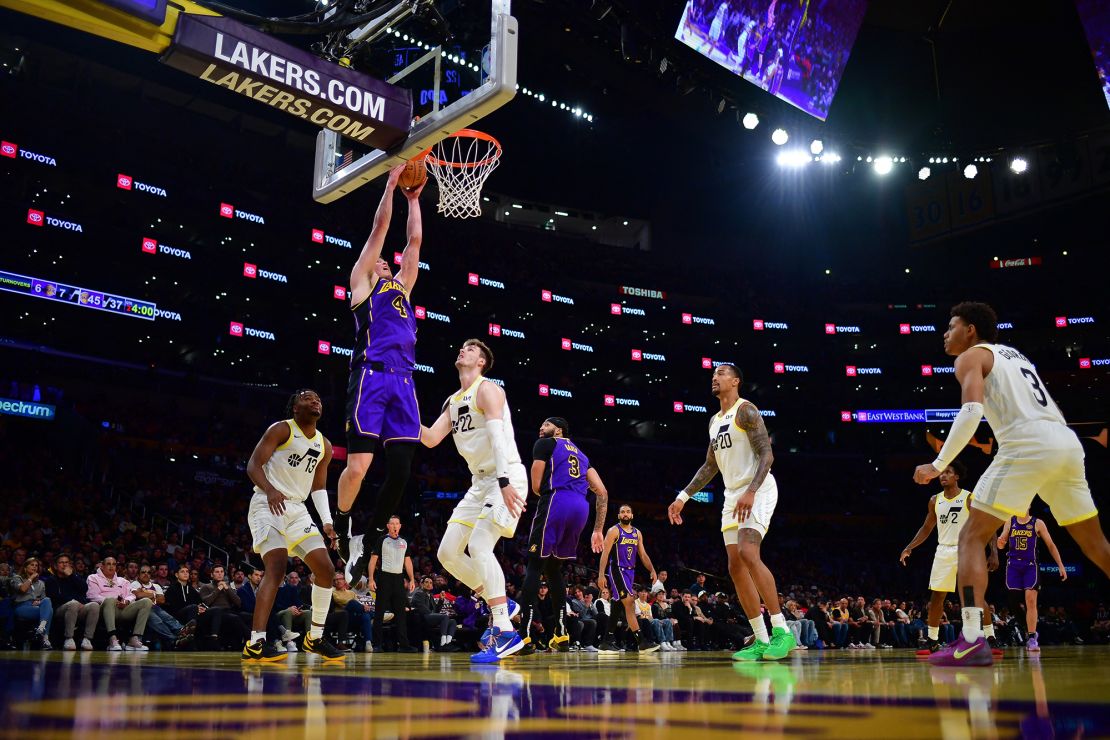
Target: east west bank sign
<point>248,62</point>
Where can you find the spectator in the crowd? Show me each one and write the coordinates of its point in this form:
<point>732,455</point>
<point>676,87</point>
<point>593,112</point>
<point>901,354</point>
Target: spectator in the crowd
<point>131,571</point>
<point>698,587</point>
<point>32,603</point>
<point>361,614</point>
<point>183,601</point>
<point>118,604</point>
<point>473,618</point>
<point>842,630</point>
<point>660,584</point>
<point>804,629</point>
<point>581,622</point>
<point>224,607</point>
<point>287,606</point>
<point>860,624</point>
<point>661,614</point>
<point>882,631</point>
<point>161,622</point>
<point>1100,627</point>
<point>70,592</point>
<point>545,616</point>
<point>426,607</point>
<point>162,576</point>
<point>602,608</point>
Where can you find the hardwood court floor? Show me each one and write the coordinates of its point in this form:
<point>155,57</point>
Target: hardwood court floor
<point>873,694</point>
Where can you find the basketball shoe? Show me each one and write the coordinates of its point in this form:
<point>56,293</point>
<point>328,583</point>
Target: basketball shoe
<point>754,651</point>
<point>1031,645</point>
<point>963,653</point>
<point>782,642</point>
<point>322,647</point>
<point>560,643</point>
<point>261,651</point>
<point>499,645</point>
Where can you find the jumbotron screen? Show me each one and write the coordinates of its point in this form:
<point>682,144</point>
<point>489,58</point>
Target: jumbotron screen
<point>794,50</point>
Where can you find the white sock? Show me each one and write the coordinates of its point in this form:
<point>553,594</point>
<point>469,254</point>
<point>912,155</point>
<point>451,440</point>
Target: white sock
<point>500,615</point>
<point>777,620</point>
<point>321,605</point>
<point>973,623</point>
<point>988,631</point>
<point>442,640</point>
<point>759,628</point>
<point>256,636</point>
<point>42,626</point>
<point>934,633</point>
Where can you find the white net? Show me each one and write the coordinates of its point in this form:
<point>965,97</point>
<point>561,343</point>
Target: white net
<point>461,163</point>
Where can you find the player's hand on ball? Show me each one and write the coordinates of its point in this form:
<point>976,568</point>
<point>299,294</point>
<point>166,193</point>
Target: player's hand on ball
<point>394,176</point>
<point>276,501</point>
<point>513,502</point>
<point>596,540</point>
<point>744,506</point>
<point>925,473</point>
<point>414,193</point>
<point>674,511</point>
<point>905,554</point>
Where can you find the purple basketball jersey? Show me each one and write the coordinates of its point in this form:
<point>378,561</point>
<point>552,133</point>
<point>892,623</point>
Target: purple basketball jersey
<point>385,328</point>
<point>1023,543</point>
<point>628,545</point>
<point>568,468</point>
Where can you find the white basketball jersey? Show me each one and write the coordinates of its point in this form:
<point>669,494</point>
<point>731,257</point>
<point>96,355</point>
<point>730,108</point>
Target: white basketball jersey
<point>732,449</point>
<point>1015,395</point>
<point>293,465</point>
<point>468,429</point>
<point>951,515</point>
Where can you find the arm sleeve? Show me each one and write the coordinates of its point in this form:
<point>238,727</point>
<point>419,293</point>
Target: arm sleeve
<point>320,501</point>
<point>963,428</point>
<point>495,430</point>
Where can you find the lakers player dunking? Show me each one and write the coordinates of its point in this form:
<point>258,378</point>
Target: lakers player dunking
<point>477,417</point>
<point>1037,455</point>
<point>740,448</point>
<point>288,464</point>
<point>947,511</point>
<point>629,543</point>
<point>381,398</point>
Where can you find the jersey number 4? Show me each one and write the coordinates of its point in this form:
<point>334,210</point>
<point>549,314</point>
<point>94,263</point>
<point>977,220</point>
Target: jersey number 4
<point>1038,390</point>
<point>399,304</point>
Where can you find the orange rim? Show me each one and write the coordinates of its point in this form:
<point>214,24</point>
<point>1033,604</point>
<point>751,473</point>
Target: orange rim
<point>473,134</point>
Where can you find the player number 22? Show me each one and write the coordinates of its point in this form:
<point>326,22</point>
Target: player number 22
<point>1038,390</point>
<point>399,304</point>
<point>575,471</point>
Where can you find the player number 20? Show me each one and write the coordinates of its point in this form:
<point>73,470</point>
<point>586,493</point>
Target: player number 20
<point>575,470</point>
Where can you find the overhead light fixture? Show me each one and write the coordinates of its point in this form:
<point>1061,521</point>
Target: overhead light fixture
<point>831,158</point>
<point>883,165</point>
<point>793,158</point>
<point>817,146</point>
<point>923,173</point>
<point>1019,165</point>
<point>971,171</point>
<point>779,136</point>
<point>750,121</point>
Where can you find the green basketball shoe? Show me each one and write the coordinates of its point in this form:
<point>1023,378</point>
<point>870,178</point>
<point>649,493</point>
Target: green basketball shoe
<point>782,642</point>
<point>754,651</point>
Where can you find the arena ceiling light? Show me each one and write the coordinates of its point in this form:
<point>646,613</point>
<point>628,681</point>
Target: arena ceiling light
<point>883,165</point>
<point>750,121</point>
<point>779,136</point>
<point>971,171</point>
<point>817,146</point>
<point>923,173</point>
<point>830,158</point>
<point>1019,165</point>
<point>793,158</point>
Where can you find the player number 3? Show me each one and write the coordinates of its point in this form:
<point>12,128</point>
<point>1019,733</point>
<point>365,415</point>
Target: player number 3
<point>575,471</point>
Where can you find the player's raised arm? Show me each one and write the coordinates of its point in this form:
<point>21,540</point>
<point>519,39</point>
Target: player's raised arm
<point>971,372</point>
<point>410,258</point>
<point>701,478</point>
<point>320,491</point>
<point>927,527</point>
<point>1042,532</point>
<point>363,276</point>
<point>276,435</point>
<point>606,549</point>
<point>646,560</point>
<point>602,506</point>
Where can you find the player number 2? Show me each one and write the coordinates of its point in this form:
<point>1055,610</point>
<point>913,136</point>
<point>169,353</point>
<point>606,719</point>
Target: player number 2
<point>1038,390</point>
<point>575,471</point>
<point>399,304</point>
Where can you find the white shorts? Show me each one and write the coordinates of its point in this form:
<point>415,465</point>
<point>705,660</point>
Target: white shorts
<point>760,518</point>
<point>295,531</point>
<point>483,502</point>
<point>945,564</point>
<point>1051,467</point>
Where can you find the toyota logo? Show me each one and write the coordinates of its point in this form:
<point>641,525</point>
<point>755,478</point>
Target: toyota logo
<point>35,217</point>
<point>124,182</point>
<point>8,149</point>
<point>227,211</point>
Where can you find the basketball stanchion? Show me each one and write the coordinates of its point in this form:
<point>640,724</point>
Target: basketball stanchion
<point>461,163</point>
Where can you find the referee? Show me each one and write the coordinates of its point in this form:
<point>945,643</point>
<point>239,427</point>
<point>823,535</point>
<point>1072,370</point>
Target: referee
<point>390,593</point>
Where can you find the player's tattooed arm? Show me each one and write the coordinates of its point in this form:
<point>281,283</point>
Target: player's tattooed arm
<point>705,473</point>
<point>602,495</point>
<point>749,419</point>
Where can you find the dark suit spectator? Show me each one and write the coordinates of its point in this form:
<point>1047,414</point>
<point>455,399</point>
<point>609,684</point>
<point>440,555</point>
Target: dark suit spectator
<point>70,592</point>
<point>427,608</point>
<point>223,606</point>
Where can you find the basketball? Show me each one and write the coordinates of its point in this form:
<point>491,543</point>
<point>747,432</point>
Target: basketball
<point>415,174</point>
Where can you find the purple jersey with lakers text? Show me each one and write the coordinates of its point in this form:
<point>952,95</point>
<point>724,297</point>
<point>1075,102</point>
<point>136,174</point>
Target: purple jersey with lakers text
<point>567,468</point>
<point>385,328</point>
<point>628,545</point>
<point>1023,543</point>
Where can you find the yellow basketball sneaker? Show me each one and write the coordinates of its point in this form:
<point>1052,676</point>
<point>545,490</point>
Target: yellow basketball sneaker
<point>560,643</point>
<point>323,648</point>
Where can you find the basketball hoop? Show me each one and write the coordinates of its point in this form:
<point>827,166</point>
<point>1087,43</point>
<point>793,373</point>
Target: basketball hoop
<point>461,163</point>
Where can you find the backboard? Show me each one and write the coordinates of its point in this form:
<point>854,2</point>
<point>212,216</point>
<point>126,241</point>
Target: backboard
<point>452,88</point>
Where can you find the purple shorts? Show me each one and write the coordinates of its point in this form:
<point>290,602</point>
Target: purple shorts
<point>381,405</point>
<point>558,524</point>
<point>621,586</point>
<point>1021,577</point>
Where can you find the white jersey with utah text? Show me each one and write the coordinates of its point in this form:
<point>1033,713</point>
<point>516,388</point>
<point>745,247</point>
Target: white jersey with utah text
<point>1014,396</point>
<point>951,515</point>
<point>468,429</point>
<point>292,467</point>
<point>732,449</point>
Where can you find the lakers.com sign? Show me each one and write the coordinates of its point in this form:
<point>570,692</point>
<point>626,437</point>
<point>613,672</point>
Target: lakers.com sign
<point>251,63</point>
